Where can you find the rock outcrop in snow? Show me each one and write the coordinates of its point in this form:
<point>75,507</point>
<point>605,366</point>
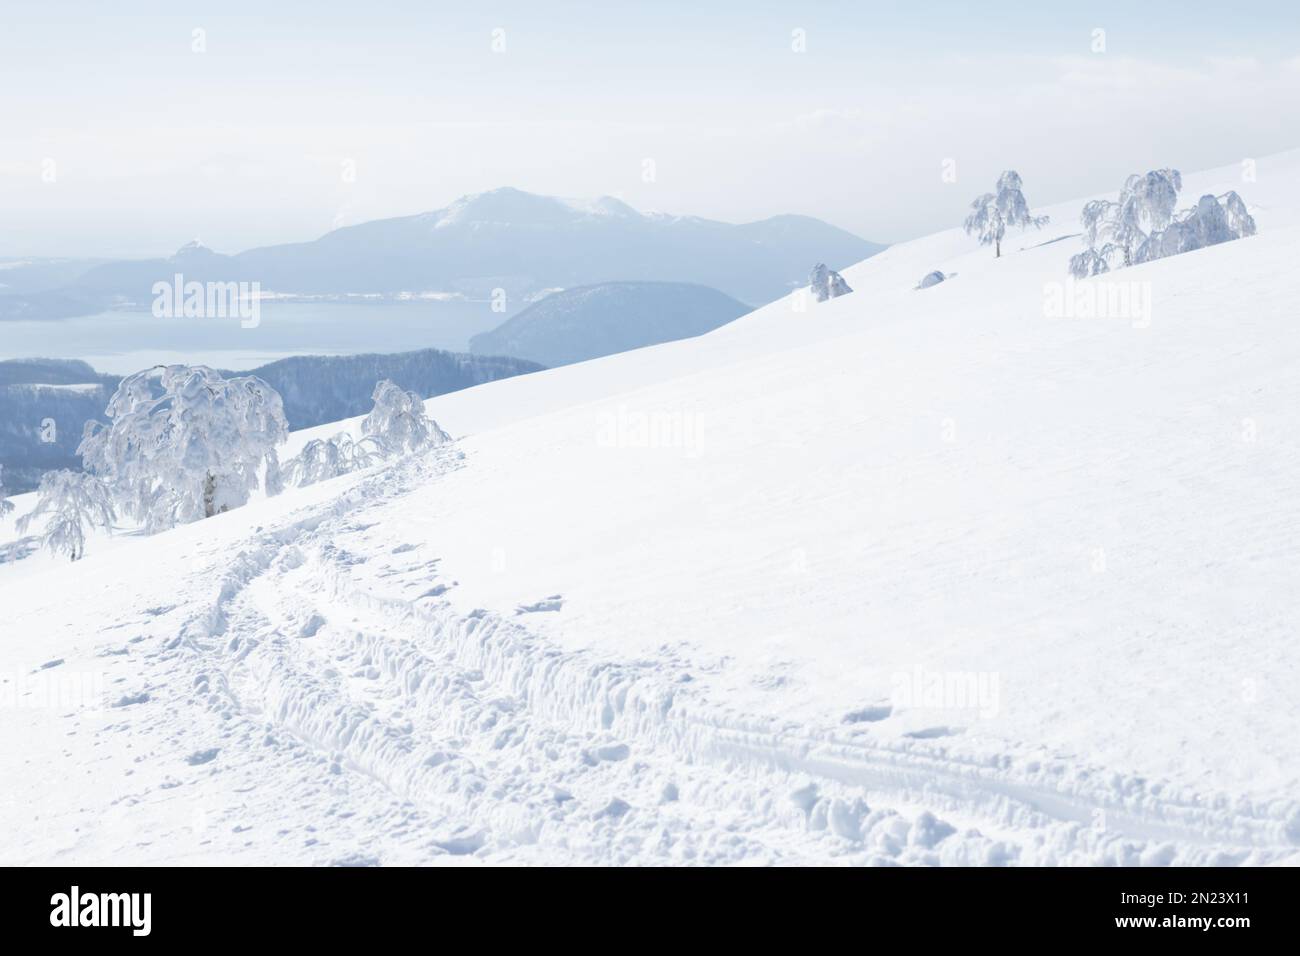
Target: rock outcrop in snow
<point>827,283</point>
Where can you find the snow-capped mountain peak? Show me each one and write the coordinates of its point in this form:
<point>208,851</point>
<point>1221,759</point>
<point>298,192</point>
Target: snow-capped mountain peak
<point>508,206</point>
<point>194,249</point>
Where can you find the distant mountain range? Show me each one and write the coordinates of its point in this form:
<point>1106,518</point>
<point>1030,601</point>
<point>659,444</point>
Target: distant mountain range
<point>590,321</point>
<point>504,239</point>
<point>45,403</point>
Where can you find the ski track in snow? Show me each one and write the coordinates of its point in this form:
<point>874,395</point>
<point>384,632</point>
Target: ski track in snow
<point>403,732</point>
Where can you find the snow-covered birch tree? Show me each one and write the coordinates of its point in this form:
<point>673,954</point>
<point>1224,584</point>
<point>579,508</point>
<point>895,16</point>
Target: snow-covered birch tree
<point>992,214</point>
<point>183,443</point>
<point>72,502</point>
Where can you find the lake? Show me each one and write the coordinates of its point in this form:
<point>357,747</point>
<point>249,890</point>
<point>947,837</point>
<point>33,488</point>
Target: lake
<point>123,342</point>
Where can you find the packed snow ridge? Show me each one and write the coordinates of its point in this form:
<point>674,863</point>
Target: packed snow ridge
<point>960,577</point>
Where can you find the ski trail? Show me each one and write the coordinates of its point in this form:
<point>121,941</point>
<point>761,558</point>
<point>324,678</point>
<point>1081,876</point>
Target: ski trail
<point>504,744</point>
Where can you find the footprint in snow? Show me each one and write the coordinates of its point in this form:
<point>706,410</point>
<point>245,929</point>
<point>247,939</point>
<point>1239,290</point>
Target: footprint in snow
<point>929,733</point>
<point>869,714</point>
<point>462,844</point>
<point>202,756</point>
<point>605,752</point>
<point>552,603</point>
<point>614,810</point>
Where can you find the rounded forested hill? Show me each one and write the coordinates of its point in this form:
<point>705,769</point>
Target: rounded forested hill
<point>590,321</point>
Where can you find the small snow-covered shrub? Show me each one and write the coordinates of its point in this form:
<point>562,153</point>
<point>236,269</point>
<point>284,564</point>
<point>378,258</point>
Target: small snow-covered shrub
<point>183,443</point>
<point>827,283</point>
<point>932,278</point>
<point>1094,262</point>
<point>399,422</point>
<point>324,458</point>
<point>74,501</point>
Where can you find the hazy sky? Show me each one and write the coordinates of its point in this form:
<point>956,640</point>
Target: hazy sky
<point>118,137</point>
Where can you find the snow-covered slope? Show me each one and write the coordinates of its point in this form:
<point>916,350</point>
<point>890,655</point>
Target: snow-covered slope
<point>906,576</point>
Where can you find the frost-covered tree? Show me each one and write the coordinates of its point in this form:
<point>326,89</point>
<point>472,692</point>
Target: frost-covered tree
<point>1114,231</point>
<point>74,502</point>
<point>992,214</point>
<point>827,283</point>
<point>400,422</point>
<point>1240,222</point>
<point>1142,226</point>
<point>6,505</point>
<point>1214,219</point>
<point>1100,254</point>
<point>1146,204</point>
<point>323,458</point>
<point>183,443</point>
